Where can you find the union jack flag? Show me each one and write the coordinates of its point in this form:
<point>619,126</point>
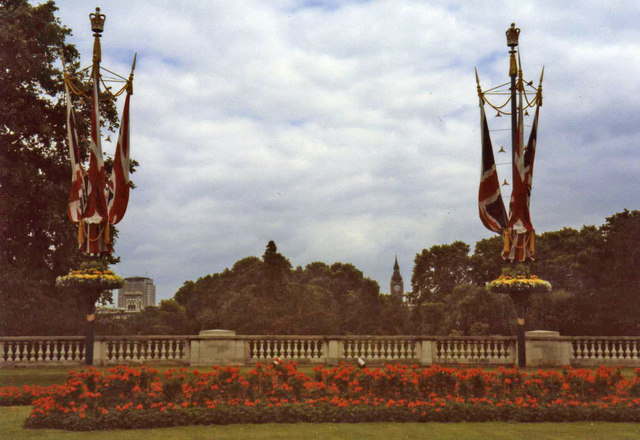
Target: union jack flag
<point>118,189</point>
<point>94,240</point>
<point>530,155</point>
<point>519,241</point>
<point>78,194</point>
<point>490,204</point>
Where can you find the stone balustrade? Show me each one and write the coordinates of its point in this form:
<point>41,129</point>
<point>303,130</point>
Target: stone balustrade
<point>222,347</point>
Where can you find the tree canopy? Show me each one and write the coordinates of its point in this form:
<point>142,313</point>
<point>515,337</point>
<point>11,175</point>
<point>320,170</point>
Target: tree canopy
<point>39,241</point>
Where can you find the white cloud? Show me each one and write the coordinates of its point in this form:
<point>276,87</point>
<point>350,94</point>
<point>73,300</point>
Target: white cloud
<point>349,131</point>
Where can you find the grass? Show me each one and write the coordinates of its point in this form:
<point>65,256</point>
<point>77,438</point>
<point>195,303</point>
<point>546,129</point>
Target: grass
<point>12,419</point>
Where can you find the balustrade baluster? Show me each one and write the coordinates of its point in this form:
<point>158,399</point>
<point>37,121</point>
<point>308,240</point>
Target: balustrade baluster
<point>617,349</point>
<point>482,352</point>
<point>46,351</point>
<point>63,347</point>
<point>634,349</point>
<point>151,350</point>
<point>54,351</point>
<point>606,351</point>
<point>31,349</point>
<point>255,350</point>
<point>258,348</point>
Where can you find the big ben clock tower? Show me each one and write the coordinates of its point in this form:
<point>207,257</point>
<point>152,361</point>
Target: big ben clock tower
<point>397,285</point>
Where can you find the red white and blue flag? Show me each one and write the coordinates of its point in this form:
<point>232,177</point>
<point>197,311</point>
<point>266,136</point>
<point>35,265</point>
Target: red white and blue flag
<point>530,155</point>
<point>94,238</point>
<point>118,190</point>
<point>95,203</point>
<point>490,204</point>
<point>78,195</point>
<point>519,236</point>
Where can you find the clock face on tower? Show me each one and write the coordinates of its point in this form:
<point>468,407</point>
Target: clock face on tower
<point>396,288</point>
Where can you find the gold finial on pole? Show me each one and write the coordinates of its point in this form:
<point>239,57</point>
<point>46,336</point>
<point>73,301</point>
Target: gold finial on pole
<point>513,33</point>
<point>478,83</point>
<point>540,88</point>
<point>130,81</point>
<point>97,26</point>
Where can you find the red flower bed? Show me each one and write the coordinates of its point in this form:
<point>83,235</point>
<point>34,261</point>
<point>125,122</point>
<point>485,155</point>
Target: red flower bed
<point>136,398</point>
<point>24,395</point>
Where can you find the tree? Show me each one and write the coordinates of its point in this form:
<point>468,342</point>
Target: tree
<point>38,241</point>
<point>438,270</point>
<point>264,296</point>
<point>486,262</point>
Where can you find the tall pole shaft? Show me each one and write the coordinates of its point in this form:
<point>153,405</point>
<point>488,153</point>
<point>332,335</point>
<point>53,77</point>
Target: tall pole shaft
<point>519,300</point>
<point>513,73</point>
<point>97,26</point>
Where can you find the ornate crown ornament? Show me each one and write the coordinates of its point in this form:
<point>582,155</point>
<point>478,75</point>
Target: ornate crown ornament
<point>512,36</point>
<point>97,21</point>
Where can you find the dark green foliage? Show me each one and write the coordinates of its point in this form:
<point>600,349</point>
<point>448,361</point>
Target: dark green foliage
<point>594,271</point>
<point>38,240</point>
<point>266,296</point>
<point>438,270</point>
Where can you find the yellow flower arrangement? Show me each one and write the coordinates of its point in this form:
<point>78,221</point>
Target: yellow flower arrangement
<point>91,278</point>
<point>518,283</point>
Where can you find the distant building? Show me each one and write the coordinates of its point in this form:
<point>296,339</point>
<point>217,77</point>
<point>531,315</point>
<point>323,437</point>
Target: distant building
<point>397,285</point>
<point>110,312</point>
<point>137,293</point>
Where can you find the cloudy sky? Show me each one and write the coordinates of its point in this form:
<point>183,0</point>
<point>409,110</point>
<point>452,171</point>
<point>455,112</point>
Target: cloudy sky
<point>349,131</point>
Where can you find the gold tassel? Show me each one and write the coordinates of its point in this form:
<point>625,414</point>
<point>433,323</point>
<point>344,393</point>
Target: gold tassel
<point>507,243</point>
<point>532,242</point>
<point>107,235</point>
<point>80,233</point>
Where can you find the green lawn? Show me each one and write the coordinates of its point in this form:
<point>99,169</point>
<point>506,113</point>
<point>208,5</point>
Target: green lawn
<point>12,419</point>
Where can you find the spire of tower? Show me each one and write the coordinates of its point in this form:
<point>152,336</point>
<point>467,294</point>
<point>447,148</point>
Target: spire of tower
<point>396,285</point>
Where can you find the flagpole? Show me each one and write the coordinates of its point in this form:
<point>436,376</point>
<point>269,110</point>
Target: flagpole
<point>512,41</point>
<point>97,26</point>
<point>520,301</point>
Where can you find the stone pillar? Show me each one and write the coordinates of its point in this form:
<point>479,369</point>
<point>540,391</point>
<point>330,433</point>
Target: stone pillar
<point>99,352</point>
<point>217,347</point>
<point>547,349</point>
<point>335,347</point>
<point>424,351</point>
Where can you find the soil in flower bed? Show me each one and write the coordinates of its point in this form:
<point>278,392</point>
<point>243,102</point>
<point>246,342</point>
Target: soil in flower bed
<point>123,397</point>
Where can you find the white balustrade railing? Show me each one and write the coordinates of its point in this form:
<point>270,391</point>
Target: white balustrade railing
<point>298,348</point>
<point>247,350</point>
<point>383,349</point>
<point>475,350</point>
<point>42,350</point>
<point>145,349</point>
<point>599,350</point>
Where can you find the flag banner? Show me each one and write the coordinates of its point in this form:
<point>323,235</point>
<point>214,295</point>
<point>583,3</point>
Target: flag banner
<point>95,219</point>
<point>118,187</point>
<point>519,219</point>
<point>490,204</point>
<point>78,195</point>
<point>518,246</point>
<point>529,156</point>
<point>519,241</point>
